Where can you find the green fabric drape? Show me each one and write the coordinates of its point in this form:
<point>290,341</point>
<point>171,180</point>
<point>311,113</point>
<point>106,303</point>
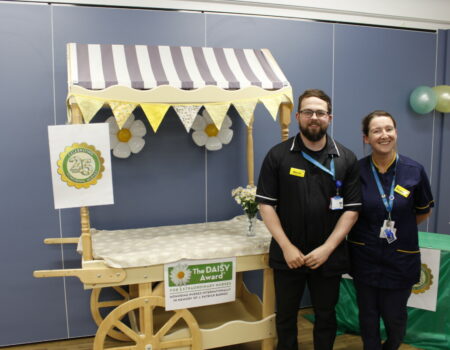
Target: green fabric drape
<point>426,329</point>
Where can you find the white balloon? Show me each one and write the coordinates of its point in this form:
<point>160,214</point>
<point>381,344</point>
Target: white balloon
<point>122,150</point>
<point>199,138</point>
<point>213,144</point>
<point>136,144</point>
<point>225,136</point>
<point>138,128</point>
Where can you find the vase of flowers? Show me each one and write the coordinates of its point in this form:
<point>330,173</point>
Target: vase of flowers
<point>245,197</point>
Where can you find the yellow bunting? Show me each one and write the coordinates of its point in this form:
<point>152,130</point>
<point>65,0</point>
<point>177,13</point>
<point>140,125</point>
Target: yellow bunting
<point>272,103</point>
<point>121,111</point>
<point>88,106</point>
<point>217,112</point>
<point>246,108</point>
<point>155,113</point>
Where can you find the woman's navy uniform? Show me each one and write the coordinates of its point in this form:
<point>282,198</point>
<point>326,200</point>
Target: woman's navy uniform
<point>383,272</point>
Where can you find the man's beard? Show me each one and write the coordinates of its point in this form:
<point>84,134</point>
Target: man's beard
<point>313,136</point>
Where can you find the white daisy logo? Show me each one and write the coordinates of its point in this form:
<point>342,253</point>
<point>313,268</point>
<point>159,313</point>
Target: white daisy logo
<point>128,139</point>
<point>206,133</point>
<point>180,274</point>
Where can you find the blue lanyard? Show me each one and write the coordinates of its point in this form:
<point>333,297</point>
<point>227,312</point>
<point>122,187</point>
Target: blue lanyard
<point>388,204</point>
<point>317,164</point>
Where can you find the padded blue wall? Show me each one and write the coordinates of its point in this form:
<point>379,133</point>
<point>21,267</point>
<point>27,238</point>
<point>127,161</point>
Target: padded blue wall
<point>173,181</point>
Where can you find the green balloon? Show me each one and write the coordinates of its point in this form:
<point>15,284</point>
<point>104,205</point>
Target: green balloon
<point>443,98</point>
<point>423,99</point>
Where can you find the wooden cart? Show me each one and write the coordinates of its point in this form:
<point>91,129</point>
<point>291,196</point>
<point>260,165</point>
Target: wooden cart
<point>139,317</point>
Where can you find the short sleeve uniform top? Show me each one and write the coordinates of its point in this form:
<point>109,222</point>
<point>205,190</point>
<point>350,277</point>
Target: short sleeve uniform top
<point>301,192</point>
<point>374,261</point>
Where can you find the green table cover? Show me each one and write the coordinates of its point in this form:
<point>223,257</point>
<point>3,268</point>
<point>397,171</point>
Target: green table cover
<point>426,329</point>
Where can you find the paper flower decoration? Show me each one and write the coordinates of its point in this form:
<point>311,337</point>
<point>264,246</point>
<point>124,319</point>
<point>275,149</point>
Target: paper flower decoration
<point>206,133</point>
<point>128,139</point>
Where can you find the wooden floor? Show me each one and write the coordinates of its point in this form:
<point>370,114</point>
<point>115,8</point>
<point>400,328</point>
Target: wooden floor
<point>343,342</point>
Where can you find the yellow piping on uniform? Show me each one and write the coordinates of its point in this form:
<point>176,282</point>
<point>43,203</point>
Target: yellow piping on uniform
<point>425,207</point>
<point>408,251</point>
<point>359,243</point>
<point>392,161</point>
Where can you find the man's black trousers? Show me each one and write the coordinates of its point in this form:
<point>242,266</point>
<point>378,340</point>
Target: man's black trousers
<point>324,292</point>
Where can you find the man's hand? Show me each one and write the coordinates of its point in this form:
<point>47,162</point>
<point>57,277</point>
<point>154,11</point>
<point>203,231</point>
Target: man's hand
<point>293,256</point>
<point>317,257</point>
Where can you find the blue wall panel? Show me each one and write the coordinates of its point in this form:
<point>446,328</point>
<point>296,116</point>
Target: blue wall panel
<point>443,127</point>
<point>26,202</point>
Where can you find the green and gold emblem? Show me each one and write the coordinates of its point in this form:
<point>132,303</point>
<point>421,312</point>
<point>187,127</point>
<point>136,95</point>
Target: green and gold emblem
<point>425,282</point>
<point>80,165</point>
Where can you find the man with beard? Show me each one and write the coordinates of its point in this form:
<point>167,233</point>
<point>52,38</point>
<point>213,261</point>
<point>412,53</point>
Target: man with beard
<point>309,198</point>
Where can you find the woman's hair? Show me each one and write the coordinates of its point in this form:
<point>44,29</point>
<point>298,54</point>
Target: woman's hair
<point>367,119</point>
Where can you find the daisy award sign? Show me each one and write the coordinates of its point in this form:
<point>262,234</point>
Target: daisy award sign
<point>80,165</point>
<point>191,283</point>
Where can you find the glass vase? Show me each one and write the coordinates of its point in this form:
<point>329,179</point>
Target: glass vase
<point>251,221</point>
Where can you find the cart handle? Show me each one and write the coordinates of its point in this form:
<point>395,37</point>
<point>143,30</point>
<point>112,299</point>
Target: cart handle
<point>65,240</point>
<point>87,276</point>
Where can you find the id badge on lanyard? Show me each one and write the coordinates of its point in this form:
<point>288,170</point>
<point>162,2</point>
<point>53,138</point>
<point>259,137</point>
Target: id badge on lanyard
<point>336,202</point>
<point>388,230</point>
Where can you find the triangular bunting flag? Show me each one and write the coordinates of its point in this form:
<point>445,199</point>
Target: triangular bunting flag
<point>272,103</point>
<point>217,112</point>
<point>155,113</point>
<point>246,108</point>
<point>88,106</point>
<point>187,114</point>
<point>121,111</point>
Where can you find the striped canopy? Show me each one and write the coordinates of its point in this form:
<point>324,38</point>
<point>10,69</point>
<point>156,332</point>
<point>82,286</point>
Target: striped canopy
<point>97,66</point>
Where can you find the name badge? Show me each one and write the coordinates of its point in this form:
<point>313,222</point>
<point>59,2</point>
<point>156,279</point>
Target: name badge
<point>388,231</point>
<point>337,203</point>
<point>402,191</point>
<point>297,172</point>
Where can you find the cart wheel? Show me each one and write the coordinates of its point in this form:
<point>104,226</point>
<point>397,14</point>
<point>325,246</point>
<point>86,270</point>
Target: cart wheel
<point>156,328</point>
<point>100,308</point>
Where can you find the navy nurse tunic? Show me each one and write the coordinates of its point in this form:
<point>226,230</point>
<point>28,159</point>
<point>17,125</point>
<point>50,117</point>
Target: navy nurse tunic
<point>374,261</point>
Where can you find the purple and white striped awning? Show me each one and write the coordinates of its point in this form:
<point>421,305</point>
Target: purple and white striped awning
<point>96,67</point>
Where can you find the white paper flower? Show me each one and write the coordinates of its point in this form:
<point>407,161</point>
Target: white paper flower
<point>128,139</point>
<point>206,133</point>
<point>180,274</point>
